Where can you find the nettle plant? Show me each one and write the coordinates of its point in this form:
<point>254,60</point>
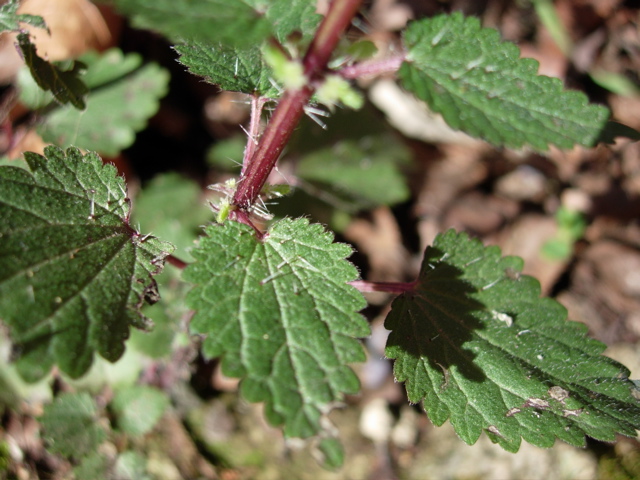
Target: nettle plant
<point>277,300</point>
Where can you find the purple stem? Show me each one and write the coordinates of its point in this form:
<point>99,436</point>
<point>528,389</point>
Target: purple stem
<point>176,262</point>
<point>373,67</point>
<point>291,107</point>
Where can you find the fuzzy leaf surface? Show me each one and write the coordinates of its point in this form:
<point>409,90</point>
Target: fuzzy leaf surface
<point>73,273</point>
<point>70,425</point>
<point>122,99</point>
<point>64,83</point>
<point>234,69</point>
<point>10,19</point>
<point>481,86</point>
<point>281,314</point>
<point>476,344</point>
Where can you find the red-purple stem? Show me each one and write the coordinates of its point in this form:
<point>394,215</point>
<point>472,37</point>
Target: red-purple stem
<point>291,107</point>
<point>176,262</point>
<point>276,136</point>
<point>388,287</point>
<point>373,67</point>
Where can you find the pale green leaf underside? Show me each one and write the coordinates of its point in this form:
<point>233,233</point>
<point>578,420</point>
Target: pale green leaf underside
<point>126,99</point>
<point>282,315</point>
<point>476,344</point>
<point>70,425</point>
<point>73,273</point>
<point>10,19</point>
<point>232,69</point>
<point>481,86</point>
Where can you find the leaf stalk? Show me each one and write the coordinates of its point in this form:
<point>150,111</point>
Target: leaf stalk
<point>388,287</point>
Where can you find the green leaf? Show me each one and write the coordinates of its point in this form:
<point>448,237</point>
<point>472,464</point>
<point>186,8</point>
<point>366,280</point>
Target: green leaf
<point>73,273</point>
<point>108,66</point>
<point>131,466</point>
<point>232,22</point>
<point>63,82</point>
<point>476,344</point>
<point>170,207</point>
<point>166,324</point>
<point>366,170</point>
<point>138,408</point>
<point>614,129</point>
<point>234,69</point>
<point>10,19</point>
<point>102,68</point>
<point>117,110</point>
<point>481,86</point>
<point>280,312</point>
<point>95,466</point>
<point>287,16</point>
<point>227,154</point>
<point>71,425</point>
<point>332,453</point>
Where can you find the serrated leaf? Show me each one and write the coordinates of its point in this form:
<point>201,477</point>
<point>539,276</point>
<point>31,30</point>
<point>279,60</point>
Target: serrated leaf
<point>169,207</point>
<point>232,22</point>
<point>119,104</point>
<point>73,273</point>
<point>476,344</point>
<point>233,69</point>
<point>70,425</point>
<point>10,19</point>
<point>114,112</point>
<point>280,312</point>
<point>64,83</point>
<point>366,170</point>
<point>481,86</point>
<point>138,408</point>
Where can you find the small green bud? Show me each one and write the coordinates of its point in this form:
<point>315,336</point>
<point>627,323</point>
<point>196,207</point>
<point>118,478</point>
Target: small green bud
<point>224,209</point>
<point>336,89</point>
<point>289,73</point>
